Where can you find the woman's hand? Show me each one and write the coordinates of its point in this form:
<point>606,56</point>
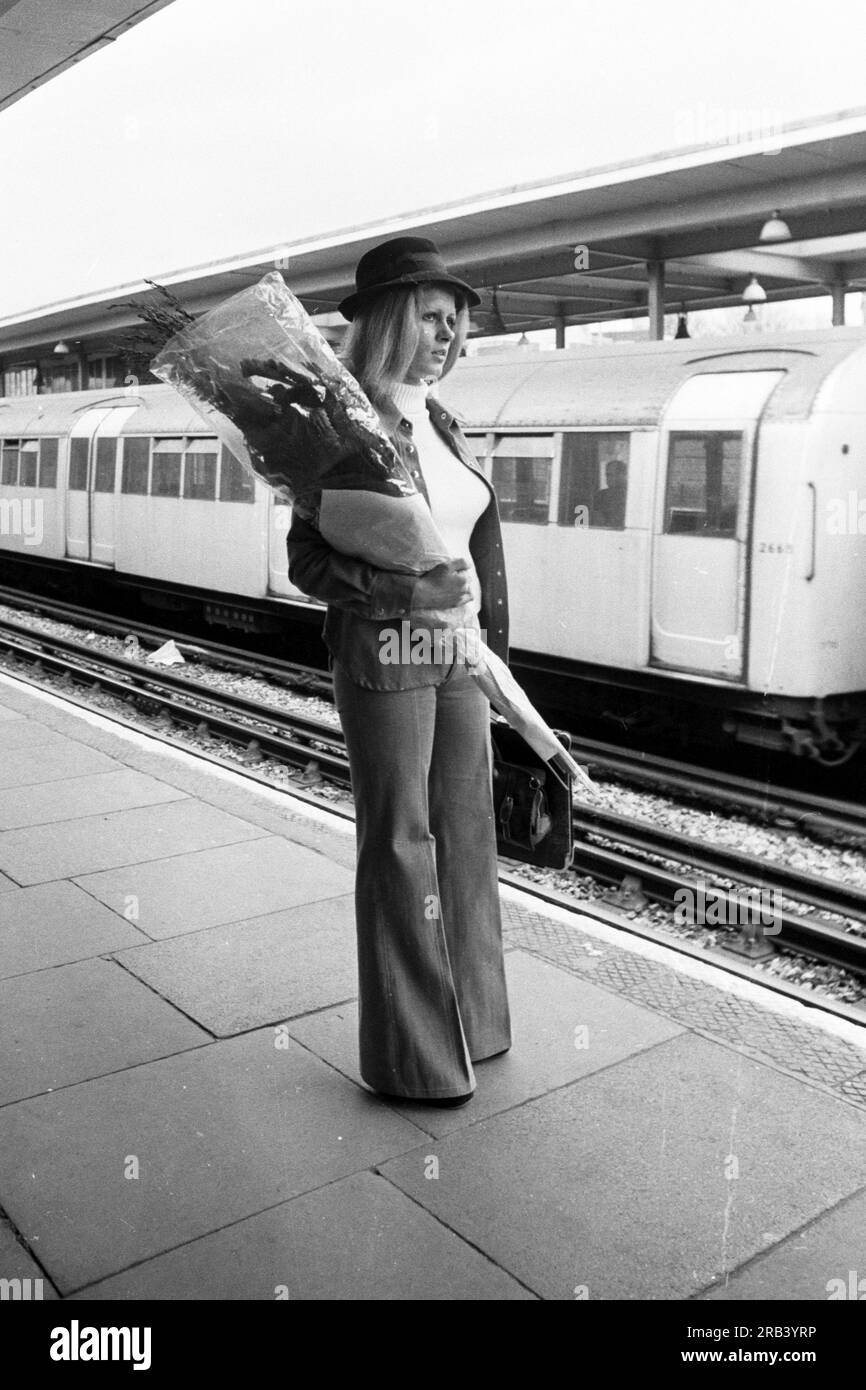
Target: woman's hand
<point>446,586</point>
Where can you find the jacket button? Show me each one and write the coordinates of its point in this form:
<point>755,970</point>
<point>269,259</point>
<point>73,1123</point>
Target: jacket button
<point>499,574</point>
<point>499,601</point>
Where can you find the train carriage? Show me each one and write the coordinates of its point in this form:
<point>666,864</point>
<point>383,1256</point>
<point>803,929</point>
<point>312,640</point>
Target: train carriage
<point>725,556</point>
<point>680,519</point>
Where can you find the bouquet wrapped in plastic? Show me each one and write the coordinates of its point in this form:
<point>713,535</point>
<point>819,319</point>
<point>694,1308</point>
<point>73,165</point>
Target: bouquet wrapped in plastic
<point>261,373</point>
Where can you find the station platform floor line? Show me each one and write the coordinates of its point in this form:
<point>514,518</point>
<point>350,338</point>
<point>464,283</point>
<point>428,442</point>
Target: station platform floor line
<point>181,1115</point>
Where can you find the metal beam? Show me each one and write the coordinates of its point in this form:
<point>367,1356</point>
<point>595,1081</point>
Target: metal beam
<point>579,289</point>
<point>765,264</point>
<point>734,206</point>
<point>819,224</point>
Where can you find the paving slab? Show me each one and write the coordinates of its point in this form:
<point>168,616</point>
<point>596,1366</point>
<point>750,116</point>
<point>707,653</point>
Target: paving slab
<point>55,924</point>
<point>276,813</point>
<point>563,1028</point>
<point>646,1180</point>
<point>356,1239</point>
<point>212,887</point>
<point>35,762</point>
<point>825,1261</point>
<point>17,1265</point>
<point>24,732</point>
<point>15,696</point>
<point>61,1026</point>
<point>215,1134</point>
<point>44,852</point>
<point>7,714</point>
<point>237,977</point>
<point>81,796</point>
<point>7,885</point>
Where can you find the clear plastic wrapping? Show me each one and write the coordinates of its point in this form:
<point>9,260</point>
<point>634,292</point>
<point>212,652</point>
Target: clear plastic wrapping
<point>260,372</point>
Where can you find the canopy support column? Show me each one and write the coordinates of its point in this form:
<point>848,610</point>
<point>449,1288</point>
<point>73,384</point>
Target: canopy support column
<point>656,298</point>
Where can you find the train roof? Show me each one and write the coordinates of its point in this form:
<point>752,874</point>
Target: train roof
<point>604,385</point>
<point>631,383</point>
<point>158,410</point>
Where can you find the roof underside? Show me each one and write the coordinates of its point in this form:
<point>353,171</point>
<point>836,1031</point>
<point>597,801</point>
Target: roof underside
<point>41,38</point>
<point>700,212</point>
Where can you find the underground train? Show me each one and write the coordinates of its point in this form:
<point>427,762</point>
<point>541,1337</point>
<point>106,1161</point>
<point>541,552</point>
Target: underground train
<point>683,519</point>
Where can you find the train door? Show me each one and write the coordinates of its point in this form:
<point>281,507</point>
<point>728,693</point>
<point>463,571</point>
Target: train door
<point>703,517</point>
<point>279,521</point>
<point>92,483</point>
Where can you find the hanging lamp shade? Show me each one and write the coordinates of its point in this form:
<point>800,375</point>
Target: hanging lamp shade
<point>754,293</point>
<point>775,229</point>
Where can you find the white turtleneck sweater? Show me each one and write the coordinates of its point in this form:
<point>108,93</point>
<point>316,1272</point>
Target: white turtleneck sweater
<point>457,496</point>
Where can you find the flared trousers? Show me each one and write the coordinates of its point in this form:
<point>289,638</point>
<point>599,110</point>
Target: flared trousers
<point>432,994</point>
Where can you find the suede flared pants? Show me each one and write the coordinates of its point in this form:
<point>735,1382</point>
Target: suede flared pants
<point>431,973</point>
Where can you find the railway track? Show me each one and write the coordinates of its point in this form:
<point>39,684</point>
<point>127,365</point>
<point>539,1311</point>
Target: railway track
<point>817,814</point>
<point>612,848</point>
<point>217,654</point>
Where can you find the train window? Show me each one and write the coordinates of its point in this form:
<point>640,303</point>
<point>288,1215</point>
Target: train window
<point>167,459</point>
<point>236,485</point>
<point>102,372</point>
<point>61,376</point>
<point>20,380</point>
<point>200,469</point>
<point>29,462</point>
<point>593,488</point>
<point>48,462</point>
<point>9,466</point>
<point>703,486</point>
<point>522,466</point>
<point>136,466</point>
<point>79,452</point>
<point>106,465</point>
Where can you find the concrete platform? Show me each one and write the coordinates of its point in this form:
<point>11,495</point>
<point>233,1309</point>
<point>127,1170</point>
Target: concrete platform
<point>181,1115</point>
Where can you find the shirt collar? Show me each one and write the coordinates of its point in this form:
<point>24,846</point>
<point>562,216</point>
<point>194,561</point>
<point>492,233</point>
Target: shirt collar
<point>390,416</point>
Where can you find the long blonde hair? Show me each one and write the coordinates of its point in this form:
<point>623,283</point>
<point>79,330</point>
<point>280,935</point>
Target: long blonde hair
<point>383,337</point>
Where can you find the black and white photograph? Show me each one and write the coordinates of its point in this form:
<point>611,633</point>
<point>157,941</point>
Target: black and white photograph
<point>432,670</point>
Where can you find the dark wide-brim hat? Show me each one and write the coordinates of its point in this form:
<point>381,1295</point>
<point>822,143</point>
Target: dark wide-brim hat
<point>406,260</point>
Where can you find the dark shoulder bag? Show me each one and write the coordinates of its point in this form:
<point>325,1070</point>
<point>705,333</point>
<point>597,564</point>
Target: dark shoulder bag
<point>531,801</point>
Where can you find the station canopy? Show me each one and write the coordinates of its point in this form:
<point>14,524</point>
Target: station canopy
<point>41,38</point>
<point>680,230</point>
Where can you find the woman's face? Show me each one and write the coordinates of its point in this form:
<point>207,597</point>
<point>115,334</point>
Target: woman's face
<point>437,316</point>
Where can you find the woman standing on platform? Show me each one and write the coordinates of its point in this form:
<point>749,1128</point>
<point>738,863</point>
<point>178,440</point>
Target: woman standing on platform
<point>432,994</point>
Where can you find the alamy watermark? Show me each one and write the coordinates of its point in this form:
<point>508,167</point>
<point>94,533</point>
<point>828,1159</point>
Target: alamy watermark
<point>853,1288</point>
<point>846,516</point>
<point>705,906</point>
<point>22,518</point>
<point>21,1290</point>
<point>421,646</point>
<point>728,125</point>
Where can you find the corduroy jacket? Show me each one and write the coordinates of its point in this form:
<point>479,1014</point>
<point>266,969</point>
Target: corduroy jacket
<point>365,603</point>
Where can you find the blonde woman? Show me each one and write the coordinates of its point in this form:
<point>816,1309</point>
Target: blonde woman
<point>432,996</point>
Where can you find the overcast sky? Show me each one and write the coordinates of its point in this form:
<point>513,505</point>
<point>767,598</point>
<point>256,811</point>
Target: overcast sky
<point>224,126</point>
